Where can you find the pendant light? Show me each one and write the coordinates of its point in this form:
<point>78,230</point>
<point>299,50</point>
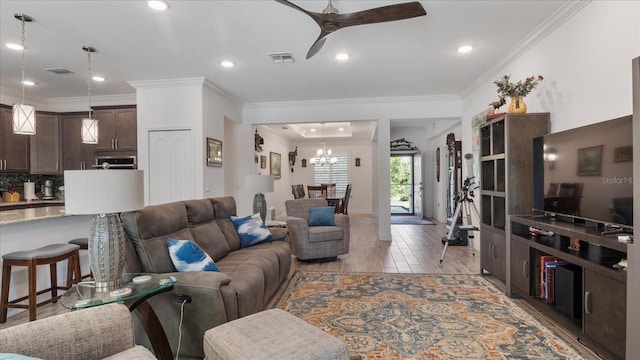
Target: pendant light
<point>323,155</point>
<point>89,125</point>
<point>24,116</point>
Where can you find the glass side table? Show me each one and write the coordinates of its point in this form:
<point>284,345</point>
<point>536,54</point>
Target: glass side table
<point>134,291</point>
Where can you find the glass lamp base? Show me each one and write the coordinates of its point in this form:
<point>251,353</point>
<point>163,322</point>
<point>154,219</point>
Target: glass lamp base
<point>106,251</point>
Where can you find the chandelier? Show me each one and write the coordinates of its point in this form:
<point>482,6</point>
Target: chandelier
<point>323,155</point>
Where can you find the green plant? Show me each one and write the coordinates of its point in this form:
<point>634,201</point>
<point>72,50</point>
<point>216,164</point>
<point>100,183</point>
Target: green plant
<point>521,88</point>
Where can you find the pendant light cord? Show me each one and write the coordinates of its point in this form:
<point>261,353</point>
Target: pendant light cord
<point>22,19</point>
<point>89,79</point>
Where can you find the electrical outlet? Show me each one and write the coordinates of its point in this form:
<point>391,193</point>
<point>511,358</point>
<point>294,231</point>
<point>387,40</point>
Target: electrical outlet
<point>183,298</point>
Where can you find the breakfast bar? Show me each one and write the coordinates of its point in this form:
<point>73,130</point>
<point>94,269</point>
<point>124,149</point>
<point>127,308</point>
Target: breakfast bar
<point>25,228</point>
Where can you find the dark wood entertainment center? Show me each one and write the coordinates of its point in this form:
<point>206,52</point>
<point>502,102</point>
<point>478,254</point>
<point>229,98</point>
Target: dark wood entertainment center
<point>602,289</point>
<point>590,303</point>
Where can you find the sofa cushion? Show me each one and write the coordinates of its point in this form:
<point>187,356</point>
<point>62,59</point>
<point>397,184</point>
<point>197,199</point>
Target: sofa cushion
<point>322,216</point>
<point>325,233</point>
<point>251,230</point>
<point>205,230</point>
<point>186,255</point>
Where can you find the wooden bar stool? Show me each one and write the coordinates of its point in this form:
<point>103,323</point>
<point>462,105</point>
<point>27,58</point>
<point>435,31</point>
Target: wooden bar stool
<point>46,255</point>
<point>84,245</point>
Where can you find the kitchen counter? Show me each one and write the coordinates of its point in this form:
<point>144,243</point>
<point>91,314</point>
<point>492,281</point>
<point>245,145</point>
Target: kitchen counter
<point>28,204</point>
<point>27,214</point>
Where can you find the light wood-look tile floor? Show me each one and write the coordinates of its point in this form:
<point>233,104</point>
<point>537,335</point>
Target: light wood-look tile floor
<point>413,249</point>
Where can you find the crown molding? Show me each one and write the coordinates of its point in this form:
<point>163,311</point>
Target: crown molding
<point>359,101</point>
<point>564,13</point>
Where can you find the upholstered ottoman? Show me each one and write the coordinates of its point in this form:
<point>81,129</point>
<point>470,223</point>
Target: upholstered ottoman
<point>271,334</point>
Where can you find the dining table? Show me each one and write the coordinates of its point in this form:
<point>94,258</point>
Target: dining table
<point>334,198</point>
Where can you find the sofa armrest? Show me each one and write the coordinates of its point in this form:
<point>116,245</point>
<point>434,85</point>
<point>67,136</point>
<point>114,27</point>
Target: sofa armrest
<point>92,333</point>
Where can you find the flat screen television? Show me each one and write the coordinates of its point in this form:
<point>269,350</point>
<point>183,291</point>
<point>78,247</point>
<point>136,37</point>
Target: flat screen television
<point>586,173</point>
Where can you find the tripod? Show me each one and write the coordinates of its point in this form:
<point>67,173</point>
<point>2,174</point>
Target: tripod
<point>465,204</point>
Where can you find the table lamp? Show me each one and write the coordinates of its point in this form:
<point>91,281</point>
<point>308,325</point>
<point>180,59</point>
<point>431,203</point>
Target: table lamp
<point>259,184</point>
<point>104,193</point>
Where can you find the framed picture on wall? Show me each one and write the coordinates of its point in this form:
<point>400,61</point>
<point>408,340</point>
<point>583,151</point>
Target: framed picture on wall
<point>263,162</point>
<point>214,152</point>
<point>275,159</point>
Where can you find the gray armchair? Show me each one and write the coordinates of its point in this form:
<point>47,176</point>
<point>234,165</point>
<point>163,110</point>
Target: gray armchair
<point>315,242</point>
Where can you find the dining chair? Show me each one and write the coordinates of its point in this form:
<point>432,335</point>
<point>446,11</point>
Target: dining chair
<point>344,204</point>
<point>298,191</point>
<point>331,188</point>
<point>316,192</point>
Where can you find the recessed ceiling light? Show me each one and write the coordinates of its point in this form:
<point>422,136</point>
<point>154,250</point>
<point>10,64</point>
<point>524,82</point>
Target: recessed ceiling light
<point>227,63</point>
<point>28,82</point>
<point>14,46</point>
<point>98,78</point>
<point>312,130</point>
<point>157,5</point>
<point>342,56</point>
<point>340,129</point>
<point>465,49</point>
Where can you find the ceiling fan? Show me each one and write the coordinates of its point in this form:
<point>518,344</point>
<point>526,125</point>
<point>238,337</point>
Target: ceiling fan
<point>331,20</point>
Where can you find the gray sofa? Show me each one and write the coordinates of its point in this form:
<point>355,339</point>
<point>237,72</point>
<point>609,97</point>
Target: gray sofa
<point>102,332</point>
<point>248,278</point>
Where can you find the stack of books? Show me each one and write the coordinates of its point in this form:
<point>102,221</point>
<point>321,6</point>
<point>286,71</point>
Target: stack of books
<point>547,274</point>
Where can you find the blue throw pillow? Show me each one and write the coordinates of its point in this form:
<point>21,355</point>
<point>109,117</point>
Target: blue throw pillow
<point>186,255</point>
<point>322,216</point>
<point>251,230</point>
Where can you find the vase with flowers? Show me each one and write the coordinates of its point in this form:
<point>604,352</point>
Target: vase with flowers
<point>517,91</point>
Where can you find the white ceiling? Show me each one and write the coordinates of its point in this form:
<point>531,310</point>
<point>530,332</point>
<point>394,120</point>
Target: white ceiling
<point>412,57</point>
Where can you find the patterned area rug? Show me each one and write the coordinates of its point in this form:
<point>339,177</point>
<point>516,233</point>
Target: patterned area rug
<point>412,316</point>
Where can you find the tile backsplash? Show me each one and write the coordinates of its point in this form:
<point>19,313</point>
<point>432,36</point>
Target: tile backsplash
<point>16,182</point>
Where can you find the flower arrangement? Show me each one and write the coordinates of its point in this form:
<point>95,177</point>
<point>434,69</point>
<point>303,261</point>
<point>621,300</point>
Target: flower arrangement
<point>521,88</point>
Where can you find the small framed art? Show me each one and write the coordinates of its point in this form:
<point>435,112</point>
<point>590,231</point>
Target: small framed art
<point>275,159</point>
<point>214,152</point>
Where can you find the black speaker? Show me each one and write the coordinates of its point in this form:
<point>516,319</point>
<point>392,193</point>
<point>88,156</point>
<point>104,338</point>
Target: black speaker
<point>568,290</point>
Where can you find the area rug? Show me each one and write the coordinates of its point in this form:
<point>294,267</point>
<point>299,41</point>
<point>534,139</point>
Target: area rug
<point>409,220</point>
<point>413,316</point>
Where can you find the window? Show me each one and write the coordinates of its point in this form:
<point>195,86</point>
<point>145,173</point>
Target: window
<point>337,173</point>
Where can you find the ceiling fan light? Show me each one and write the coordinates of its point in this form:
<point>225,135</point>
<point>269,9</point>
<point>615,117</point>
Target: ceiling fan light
<point>89,131</point>
<point>24,119</point>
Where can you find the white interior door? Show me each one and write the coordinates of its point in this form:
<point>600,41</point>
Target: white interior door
<point>171,166</point>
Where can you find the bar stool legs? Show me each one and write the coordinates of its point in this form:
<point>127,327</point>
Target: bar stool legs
<point>47,255</point>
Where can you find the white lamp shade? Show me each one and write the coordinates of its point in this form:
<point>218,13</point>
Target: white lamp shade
<point>89,131</point>
<point>259,183</point>
<point>24,119</point>
<point>90,192</point>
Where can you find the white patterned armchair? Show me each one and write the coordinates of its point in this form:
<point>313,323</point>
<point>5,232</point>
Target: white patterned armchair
<point>315,242</point>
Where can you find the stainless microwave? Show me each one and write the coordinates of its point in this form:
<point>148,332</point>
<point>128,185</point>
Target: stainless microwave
<point>115,162</point>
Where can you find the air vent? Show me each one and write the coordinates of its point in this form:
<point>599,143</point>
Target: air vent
<point>59,71</point>
<point>283,57</point>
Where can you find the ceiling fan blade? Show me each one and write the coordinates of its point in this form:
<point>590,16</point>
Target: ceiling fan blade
<point>317,45</point>
<point>381,14</point>
<point>313,15</point>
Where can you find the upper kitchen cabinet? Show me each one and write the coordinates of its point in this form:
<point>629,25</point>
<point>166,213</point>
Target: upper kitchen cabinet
<point>75,154</point>
<point>14,149</point>
<point>117,128</point>
<point>45,145</point>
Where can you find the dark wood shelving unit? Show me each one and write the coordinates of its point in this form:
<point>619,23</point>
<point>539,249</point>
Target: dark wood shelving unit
<point>601,316</point>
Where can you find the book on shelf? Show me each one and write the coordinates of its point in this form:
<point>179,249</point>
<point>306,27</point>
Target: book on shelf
<point>549,271</point>
<point>543,260</point>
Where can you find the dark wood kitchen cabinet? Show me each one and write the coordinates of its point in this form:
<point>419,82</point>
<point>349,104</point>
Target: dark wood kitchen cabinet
<point>14,149</point>
<point>75,154</point>
<point>117,129</point>
<point>45,145</point>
